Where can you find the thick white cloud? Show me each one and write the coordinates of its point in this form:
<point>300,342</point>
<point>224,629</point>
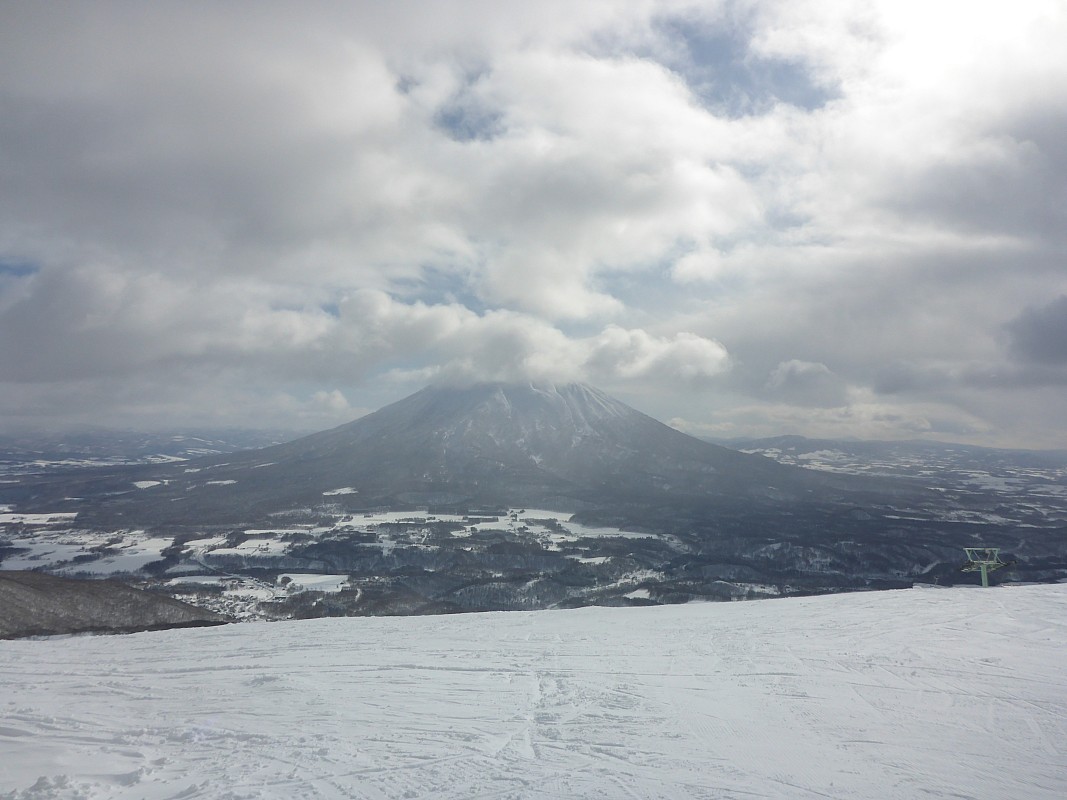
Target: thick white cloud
<point>1040,334</point>
<point>510,346</point>
<point>145,328</point>
<point>617,352</point>
<point>805,210</point>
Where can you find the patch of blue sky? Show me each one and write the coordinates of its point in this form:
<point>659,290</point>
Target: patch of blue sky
<point>437,286</point>
<point>17,268</point>
<point>468,117</point>
<point>14,276</point>
<point>717,63</point>
<point>646,293</point>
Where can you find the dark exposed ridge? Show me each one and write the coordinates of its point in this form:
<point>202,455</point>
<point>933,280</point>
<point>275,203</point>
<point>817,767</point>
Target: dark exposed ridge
<point>37,604</point>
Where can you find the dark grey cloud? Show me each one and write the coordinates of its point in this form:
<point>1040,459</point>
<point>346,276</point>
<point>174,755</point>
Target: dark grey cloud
<point>1015,184</point>
<point>1040,334</point>
<point>807,383</point>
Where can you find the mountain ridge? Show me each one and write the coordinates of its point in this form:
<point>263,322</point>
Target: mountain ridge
<point>36,604</point>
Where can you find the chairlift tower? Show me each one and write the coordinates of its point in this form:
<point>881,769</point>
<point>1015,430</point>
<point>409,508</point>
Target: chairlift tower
<point>985,559</point>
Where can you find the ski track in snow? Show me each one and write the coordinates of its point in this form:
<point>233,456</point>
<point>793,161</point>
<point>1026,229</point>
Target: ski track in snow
<point>933,693</point>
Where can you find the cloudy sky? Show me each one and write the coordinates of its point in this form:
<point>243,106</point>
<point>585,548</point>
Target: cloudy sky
<point>745,218</point>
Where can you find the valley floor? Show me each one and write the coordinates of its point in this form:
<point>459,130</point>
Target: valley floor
<point>933,693</point>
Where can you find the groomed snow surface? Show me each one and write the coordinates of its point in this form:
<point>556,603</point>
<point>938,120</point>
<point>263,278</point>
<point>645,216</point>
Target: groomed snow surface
<point>932,693</point>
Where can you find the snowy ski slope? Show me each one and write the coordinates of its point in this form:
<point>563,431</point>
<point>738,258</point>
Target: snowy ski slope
<point>924,693</point>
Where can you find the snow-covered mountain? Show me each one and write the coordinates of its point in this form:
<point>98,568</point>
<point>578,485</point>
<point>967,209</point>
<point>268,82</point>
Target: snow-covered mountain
<point>933,693</point>
<point>422,507</point>
<point>568,447</point>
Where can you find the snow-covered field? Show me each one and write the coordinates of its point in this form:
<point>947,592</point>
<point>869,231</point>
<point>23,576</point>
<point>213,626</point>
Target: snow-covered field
<point>933,693</point>
<point>108,553</point>
<point>55,546</point>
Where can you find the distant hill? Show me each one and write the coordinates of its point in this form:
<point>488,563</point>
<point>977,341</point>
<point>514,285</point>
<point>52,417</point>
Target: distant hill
<point>893,457</point>
<point>35,604</point>
<point>49,451</point>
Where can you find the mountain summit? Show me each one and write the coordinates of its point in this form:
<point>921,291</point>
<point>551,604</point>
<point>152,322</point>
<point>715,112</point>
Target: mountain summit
<point>525,443</point>
<point>562,446</point>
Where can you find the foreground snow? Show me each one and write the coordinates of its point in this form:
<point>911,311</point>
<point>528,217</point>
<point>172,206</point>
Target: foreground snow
<point>956,693</point>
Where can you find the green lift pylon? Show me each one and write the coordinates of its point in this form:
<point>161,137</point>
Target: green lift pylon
<point>985,559</point>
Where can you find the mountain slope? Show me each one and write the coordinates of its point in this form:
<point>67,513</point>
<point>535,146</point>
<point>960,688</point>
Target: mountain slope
<point>568,447</point>
<point>496,438</point>
<point>932,693</point>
